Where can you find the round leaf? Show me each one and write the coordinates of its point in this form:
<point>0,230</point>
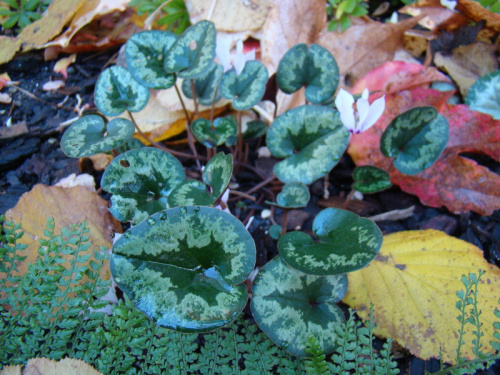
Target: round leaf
<point>275,231</point>
<point>293,195</point>
<point>218,173</point>
<point>291,306</point>
<point>140,181</point>
<point>255,129</point>
<point>193,52</point>
<point>311,138</point>
<point>182,266</point>
<point>144,52</point>
<point>369,179</point>
<point>415,138</point>
<point>116,91</point>
<point>246,89</point>
<point>223,128</point>
<point>345,243</point>
<point>314,68</point>
<point>484,93</point>
<point>205,86</point>
<point>89,135</point>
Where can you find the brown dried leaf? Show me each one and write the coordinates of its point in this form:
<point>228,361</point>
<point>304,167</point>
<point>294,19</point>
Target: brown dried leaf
<point>8,48</point>
<point>66,366</point>
<point>476,12</point>
<point>361,48</point>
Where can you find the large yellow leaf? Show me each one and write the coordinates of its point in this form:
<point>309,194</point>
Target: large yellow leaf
<point>412,284</point>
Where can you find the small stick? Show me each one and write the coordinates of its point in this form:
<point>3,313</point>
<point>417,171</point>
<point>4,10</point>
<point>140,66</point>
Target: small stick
<point>285,219</point>
<point>195,100</point>
<point>242,194</point>
<point>262,184</point>
<point>32,96</point>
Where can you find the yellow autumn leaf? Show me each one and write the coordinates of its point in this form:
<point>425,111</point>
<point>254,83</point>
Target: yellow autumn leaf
<point>66,366</point>
<point>412,284</point>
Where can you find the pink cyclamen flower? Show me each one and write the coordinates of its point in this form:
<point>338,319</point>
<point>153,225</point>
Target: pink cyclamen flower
<point>364,116</point>
<point>238,60</point>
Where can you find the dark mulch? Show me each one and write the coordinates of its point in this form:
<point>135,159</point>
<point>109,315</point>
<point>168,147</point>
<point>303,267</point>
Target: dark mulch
<point>34,157</point>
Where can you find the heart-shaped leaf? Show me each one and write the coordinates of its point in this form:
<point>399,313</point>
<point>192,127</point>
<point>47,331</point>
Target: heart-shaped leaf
<point>89,135</point>
<point>140,181</point>
<point>193,52</point>
<point>311,138</point>
<point>484,93</point>
<point>415,138</point>
<point>255,129</point>
<point>246,89</point>
<point>313,67</point>
<point>183,267</point>
<point>117,90</point>
<point>369,179</point>
<point>212,135</point>
<point>293,195</point>
<point>205,86</point>
<point>291,306</point>
<point>145,54</point>
<point>216,175</point>
<point>345,243</point>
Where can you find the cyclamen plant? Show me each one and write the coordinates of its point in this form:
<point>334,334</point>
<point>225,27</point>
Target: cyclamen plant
<point>183,261</point>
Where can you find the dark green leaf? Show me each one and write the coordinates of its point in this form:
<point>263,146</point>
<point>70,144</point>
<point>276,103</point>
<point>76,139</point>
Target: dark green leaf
<point>255,129</point>
<point>345,243</point>
<point>293,195</point>
<point>212,135</point>
<point>369,179</point>
<point>183,267</point>
<point>205,86</point>
<point>415,138</point>
<point>275,231</point>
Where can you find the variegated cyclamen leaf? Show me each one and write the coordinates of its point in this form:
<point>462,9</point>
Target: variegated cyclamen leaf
<point>313,67</point>
<point>140,181</point>
<point>193,52</point>
<point>184,267</point>
<point>117,90</point>
<point>190,193</point>
<point>293,195</point>
<point>369,179</point>
<point>89,135</point>
<point>205,86</point>
<point>254,129</point>
<point>484,94</point>
<point>218,173</point>
<point>345,243</point>
<point>291,306</point>
<point>311,138</point>
<point>212,135</point>
<point>416,138</point>
<point>145,56</point>
<point>247,88</point>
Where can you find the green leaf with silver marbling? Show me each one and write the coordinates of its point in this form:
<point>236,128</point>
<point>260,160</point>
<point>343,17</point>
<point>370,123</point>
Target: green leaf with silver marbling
<point>369,179</point>
<point>140,181</point>
<point>184,267</point>
<point>247,88</point>
<point>206,86</point>
<point>344,243</point>
<point>193,52</point>
<point>293,195</point>
<point>145,54</point>
<point>90,135</point>
<point>484,95</point>
<point>117,90</point>
<point>313,67</point>
<point>216,175</point>
<point>291,306</point>
<point>254,129</point>
<point>416,139</point>
<point>311,138</point>
<point>212,135</point>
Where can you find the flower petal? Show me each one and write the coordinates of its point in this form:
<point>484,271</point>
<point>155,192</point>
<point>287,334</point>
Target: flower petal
<point>223,53</point>
<point>363,108</point>
<point>344,102</point>
<point>375,111</point>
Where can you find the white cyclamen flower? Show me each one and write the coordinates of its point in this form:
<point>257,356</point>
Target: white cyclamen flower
<point>238,61</point>
<point>364,116</point>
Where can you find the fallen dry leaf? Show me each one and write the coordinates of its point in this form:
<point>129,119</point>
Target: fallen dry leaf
<point>67,206</point>
<point>63,64</point>
<point>80,180</point>
<point>8,48</point>
<point>394,76</point>
<point>11,370</point>
<point>5,98</point>
<point>66,366</point>
<point>453,181</point>
<point>434,15</point>
<point>361,48</point>
<point>53,85</point>
<point>468,63</point>
<point>412,284</point>
<point>4,80</point>
<point>476,12</point>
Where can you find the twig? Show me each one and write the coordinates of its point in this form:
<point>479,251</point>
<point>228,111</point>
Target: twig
<point>242,194</point>
<point>262,184</point>
<point>148,23</point>
<point>32,96</point>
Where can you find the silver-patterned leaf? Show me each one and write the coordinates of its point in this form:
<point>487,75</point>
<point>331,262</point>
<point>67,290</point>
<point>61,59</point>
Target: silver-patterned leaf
<point>117,90</point>
<point>217,173</point>
<point>293,195</point>
<point>140,181</point>
<point>369,179</point>
<point>484,95</point>
<point>216,133</point>
<point>190,193</point>
<point>291,306</point>
<point>205,86</point>
<point>89,135</point>
<point>183,267</point>
<point>247,88</point>
<point>144,52</point>
<point>345,243</point>
<point>311,138</point>
<point>193,52</point>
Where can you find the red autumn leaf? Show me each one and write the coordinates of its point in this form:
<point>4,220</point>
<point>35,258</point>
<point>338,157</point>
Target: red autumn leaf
<point>456,182</point>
